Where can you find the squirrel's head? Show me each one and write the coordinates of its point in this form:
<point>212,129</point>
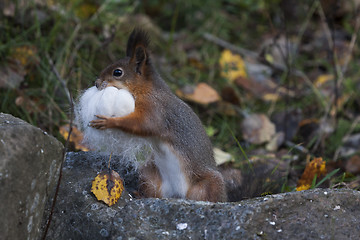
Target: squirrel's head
<point>133,72</point>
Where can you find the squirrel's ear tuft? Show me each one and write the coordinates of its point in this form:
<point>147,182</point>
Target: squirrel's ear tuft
<point>137,38</point>
<point>136,49</point>
<point>141,58</point>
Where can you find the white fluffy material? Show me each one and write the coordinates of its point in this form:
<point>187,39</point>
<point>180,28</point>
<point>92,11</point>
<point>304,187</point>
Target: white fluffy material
<point>110,102</point>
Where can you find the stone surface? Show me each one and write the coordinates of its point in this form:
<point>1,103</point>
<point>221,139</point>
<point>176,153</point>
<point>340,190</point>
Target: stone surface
<point>315,214</point>
<point>29,166</point>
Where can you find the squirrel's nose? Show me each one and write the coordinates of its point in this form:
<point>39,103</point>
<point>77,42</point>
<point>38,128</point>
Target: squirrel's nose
<point>98,83</point>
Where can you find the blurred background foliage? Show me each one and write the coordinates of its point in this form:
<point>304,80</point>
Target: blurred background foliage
<point>300,57</point>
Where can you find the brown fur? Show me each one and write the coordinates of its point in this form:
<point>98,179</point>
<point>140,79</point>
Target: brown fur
<point>209,186</point>
<point>150,181</point>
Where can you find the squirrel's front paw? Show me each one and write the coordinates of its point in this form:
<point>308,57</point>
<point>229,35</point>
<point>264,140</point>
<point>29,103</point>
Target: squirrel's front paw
<point>101,123</point>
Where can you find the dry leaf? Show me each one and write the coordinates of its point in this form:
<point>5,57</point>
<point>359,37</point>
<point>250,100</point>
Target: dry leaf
<point>25,55</point>
<point>107,187</point>
<point>353,165</point>
<point>8,8</point>
<point>202,94</point>
<point>76,136</point>
<point>86,10</point>
<point>275,142</point>
<point>194,60</point>
<point>228,94</point>
<point>322,79</point>
<point>257,129</point>
<point>11,75</point>
<point>221,157</point>
<point>232,65</point>
<point>341,101</point>
<point>31,103</point>
<point>316,167</point>
<point>226,108</point>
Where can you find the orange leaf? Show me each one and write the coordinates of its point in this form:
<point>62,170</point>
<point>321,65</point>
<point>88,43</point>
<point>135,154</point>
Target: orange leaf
<point>316,166</point>
<point>202,94</point>
<point>76,136</point>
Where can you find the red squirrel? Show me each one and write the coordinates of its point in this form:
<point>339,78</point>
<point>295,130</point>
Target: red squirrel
<point>182,164</point>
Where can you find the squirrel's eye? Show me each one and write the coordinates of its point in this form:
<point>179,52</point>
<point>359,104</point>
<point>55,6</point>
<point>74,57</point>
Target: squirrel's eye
<point>117,73</point>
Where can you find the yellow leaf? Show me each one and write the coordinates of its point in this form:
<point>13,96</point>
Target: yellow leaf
<point>316,167</point>
<point>303,187</point>
<point>341,101</point>
<point>232,65</point>
<point>271,97</point>
<point>320,80</point>
<point>25,55</point>
<point>269,58</point>
<point>86,10</point>
<point>107,187</point>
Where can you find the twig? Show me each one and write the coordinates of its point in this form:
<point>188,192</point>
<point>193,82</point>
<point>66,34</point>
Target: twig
<point>330,35</point>
<point>351,47</point>
<point>231,47</point>
<point>339,72</point>
<point>62,81</point>
<point>249,53</point>
<point>68,94</point>
<point>297,147</point>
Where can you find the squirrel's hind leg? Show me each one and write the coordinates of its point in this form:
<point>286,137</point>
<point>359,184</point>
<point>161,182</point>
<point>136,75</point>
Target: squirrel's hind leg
<point>150,181</point>
<point>209,186</point>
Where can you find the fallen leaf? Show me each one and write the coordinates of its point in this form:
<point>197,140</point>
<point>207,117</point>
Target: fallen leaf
<point>8,8</point>
<point>275,142</point>
<point>76,136</point>
<point>31,103</point>
<point>221,157</point>
<point>287,121</point>
<point>210,131</point>
<point>25,55</point>
<point>350,145</point>
<point>265,89</point>
<point>355,184</point>
<point>194,60</point>
<point>271,97</point>
<point>341,101</point>
<point>276,49</point>
<point>232,65</point>
<point>226,108</point>
<point>107,187</point>
<point>316,167</point>
<point>322,79</point>
<point>202,94</point>
<point>11,75</point>
<point>228,94</point>
<point>86,10</point>
<point>353,165</point>
<point>257,128</point>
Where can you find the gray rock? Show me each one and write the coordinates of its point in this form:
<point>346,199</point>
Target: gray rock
<point>315,214</point>
<point>29,166</point>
